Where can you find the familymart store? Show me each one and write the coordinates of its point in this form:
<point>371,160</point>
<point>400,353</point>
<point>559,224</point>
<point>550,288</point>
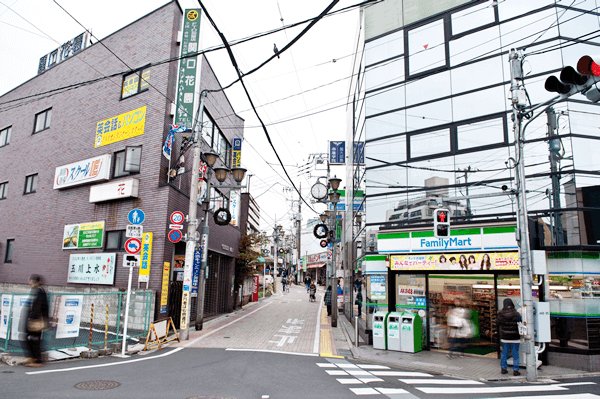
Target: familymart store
<point>478,266</point>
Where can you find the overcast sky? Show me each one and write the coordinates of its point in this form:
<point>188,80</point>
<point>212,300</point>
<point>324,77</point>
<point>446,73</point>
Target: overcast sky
<point>31,28</point>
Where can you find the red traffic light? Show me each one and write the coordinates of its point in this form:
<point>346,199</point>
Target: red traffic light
<point>442,217</point>
<point>323,243</point>
<point>588,65</point>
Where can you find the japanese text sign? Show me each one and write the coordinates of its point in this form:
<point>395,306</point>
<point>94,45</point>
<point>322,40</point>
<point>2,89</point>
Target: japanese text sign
<point>120,127</point>
<point>144,274</point>
<point>337,152</point>
<point>81,172</point>
<point>92,268</point>
<point>186,83</point>
<point>237,152</point>
<point>85,235</point>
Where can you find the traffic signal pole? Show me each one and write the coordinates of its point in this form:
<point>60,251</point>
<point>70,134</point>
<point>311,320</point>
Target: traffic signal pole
<point>525,273</point>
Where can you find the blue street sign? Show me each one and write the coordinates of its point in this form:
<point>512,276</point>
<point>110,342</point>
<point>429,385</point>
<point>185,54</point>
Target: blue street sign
<point>136,216</point>
<point>337,152</point>
<point>359,152</point>
<point>328,245</point>
<point>196,270</point>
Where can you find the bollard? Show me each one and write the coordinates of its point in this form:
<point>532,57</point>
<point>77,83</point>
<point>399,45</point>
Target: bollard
<point>106,328</point>
<point>91,326</point>
<point>356,331</point>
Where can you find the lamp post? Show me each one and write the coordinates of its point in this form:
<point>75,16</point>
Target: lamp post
<point>191,237</point>
<point>334,197</point>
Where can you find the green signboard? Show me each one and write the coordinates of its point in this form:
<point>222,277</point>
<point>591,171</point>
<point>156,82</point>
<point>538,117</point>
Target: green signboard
<point>186,84</point>
<point>84,235</point>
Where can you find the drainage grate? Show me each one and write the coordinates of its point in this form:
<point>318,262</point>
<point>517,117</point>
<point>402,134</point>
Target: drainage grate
<point>97,385</point>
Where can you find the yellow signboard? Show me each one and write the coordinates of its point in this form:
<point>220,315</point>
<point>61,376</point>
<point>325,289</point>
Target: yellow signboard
<point>164,292</point>
<point>121,127</point>
<point>146,256</point>
<point>456,261</point>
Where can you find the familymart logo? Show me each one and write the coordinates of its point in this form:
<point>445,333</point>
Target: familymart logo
<point>445,243</point>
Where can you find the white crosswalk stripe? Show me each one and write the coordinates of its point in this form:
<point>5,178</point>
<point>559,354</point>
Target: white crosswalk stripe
<point>400,374</point>
<point>494,390</point>
<point>414,381</point>
<point>567,396</point>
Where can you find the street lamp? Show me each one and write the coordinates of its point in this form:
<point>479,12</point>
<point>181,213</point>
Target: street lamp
<point>191,238</point>
<point>323,217</point>
<point>334,197</point>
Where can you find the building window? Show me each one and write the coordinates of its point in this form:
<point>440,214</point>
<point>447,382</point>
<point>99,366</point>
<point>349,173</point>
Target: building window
<point>127,162</point>
<point>30,184</point>
<point>135,83</point>
<point>115,240</point>
<point>42,121</point>
<point>3,188</point>
<point>223,148</point>
<point>5,136</point>
<point>429,212</point>
<point>10,245</point>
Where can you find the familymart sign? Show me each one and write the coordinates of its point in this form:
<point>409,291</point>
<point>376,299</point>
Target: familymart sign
<point>473,239</point>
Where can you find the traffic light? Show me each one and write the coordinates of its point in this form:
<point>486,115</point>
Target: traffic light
<point>331,237</point>
<point>441,223</point>
<point>323,243</point>
<point>580,81</point>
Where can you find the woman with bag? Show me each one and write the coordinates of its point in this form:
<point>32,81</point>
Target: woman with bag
<point>37,321</point>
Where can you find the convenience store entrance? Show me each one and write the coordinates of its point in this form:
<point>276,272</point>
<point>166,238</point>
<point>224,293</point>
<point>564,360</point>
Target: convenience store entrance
<point>480,295</point>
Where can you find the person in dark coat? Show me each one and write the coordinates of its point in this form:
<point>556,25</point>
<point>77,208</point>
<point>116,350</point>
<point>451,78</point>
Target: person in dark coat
<point>327,300</point>
<point>307,283</point>
<point>507,321</point>
<point>37,311</point>
<point>358,302</point>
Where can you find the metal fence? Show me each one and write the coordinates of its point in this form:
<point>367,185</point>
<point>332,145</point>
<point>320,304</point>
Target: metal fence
<point>106,325</point>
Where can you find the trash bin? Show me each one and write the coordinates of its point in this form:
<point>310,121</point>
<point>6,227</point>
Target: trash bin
<point>410,333</point>
<point>379,330</point>
<point>393,331</point>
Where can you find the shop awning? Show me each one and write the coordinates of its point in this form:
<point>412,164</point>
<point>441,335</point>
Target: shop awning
<point>315,265</point>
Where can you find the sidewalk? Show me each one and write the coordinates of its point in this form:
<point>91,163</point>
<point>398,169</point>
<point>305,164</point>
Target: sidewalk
<point>436,362</point>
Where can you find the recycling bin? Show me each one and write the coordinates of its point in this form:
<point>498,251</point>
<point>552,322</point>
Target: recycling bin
<point>393,331</point>
<point>379,330</point>
<point>410,333</point>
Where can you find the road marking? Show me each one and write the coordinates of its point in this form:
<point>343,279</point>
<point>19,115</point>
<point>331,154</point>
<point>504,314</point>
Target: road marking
<point>349,381</point>
<point>364,391</point>
<point>145,358</point>
<point>391,391</point>
<point>329,365</point>
<point>272,351</point>
<point>507,389</point>
<point>373,366</point>
<point>336,372</point>
<point>567,396</point>
<point>439,382</point>
<point>265,397</point>
<point>359,372</point>
<point>367,380</point>
<point>400,374</point>
<point>347,365</point>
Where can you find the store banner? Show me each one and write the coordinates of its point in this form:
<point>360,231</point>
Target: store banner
<point>69,316</point>
<point>255,288</point>
<point>378,287</point>
<point>144,273</point>
<point>84,235</point>
<point>83,172</point>
<point>456,261</point>
<point>188,67</point>
<point>235,205</point>
<point>120,127</point>
<point>164,292</point>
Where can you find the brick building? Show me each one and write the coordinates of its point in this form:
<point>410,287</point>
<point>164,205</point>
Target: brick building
<point>65,192</point>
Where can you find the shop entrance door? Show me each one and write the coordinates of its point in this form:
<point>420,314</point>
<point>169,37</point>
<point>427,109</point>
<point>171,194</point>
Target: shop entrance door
<point>475,297</point>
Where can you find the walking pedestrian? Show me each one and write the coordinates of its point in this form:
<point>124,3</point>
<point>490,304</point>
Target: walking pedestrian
<point>508,319</point>
<point>460,330</point>
<point>37,321</point>
<point>283,282</point>
<point>307,281</point>
<point>313,292</point>
<point>327,300</point>
<point>358,301</point>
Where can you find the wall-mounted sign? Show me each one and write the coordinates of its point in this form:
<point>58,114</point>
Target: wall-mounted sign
<point>359,152</point>
<point>317,258</point>
<point>82,172</point>
<point>234,207</point>
<point>188,67</point>
<point>64,52</point>
<point>120,127</point>
<point>92,268</point>
<point>196,270</point>
<point>120,189</point>
<point>237,152</point>
<point>144,274</point>
<point>164,292</point>
<point>84,235</point>
<point>457,261</point>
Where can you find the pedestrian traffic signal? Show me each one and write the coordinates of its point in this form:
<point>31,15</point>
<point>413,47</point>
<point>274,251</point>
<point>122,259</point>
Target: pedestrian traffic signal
<point>323,243</point>
<point>441,223</point>
<point>330,237</point>
<point>577,81</point>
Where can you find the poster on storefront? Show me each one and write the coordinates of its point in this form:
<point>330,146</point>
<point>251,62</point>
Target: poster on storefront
<point>4,314</point>
<point>69,316</point>
<point>411,290</point>
<point>457,261</point>
<point>378,288</point>
<point>21,301</point>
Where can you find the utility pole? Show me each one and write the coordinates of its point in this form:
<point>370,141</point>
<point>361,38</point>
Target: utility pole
<point>518,103</point>
<point>554,145</point>
<point>466,172</point>
<point>334,280</point>
<point>298,233</point>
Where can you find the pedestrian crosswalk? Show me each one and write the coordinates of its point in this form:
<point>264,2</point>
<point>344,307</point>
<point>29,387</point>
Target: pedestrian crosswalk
<point>371,379</point>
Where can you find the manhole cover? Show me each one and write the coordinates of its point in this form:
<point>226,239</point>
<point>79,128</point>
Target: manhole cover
<point>98,385</point>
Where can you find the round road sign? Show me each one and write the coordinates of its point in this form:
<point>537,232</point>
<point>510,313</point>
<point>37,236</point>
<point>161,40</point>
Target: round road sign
<point>136,216</point>
<point>133,246</point>
<point>177,217</point>
<point>175,236</point>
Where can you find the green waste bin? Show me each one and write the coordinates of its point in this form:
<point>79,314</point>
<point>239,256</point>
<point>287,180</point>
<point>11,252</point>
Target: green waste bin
<point>379,330</point>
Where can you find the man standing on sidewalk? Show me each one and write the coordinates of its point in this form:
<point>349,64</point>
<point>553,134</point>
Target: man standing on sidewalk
<point>307,282</point>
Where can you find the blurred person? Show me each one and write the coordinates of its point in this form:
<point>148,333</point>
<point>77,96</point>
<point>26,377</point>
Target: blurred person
<point>507,320</point>
<point>37,321</point>
<point>460,330</point>
<point>313,291</point>
<point>283,282</point>
<point>327,300</point>
<point>358,301</point>
<point>307,282</point>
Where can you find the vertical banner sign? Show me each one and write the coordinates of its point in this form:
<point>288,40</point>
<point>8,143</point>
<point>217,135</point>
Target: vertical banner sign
<point>196,271</point>
<point>164,292</point>
<point>234,207</point>
<point>337,152</point>
<point>237,152</point>
<point>186,84</point>
<point>304,263</point>
<point>144,273</point>
<point>69,316</point>
<point>187,283</point>
<point>359,152</point>
<point>255,288</point>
